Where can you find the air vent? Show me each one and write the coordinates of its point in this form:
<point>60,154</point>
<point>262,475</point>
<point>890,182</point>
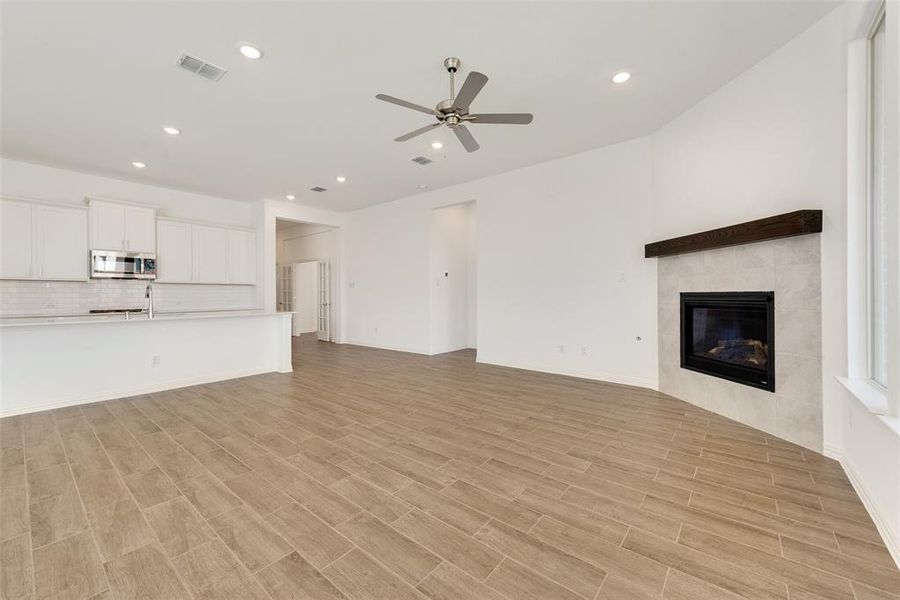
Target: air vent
<point>317,189</point>
<point>422,160</point>
<point>200,67</point>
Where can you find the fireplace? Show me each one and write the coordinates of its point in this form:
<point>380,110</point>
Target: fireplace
<point>730,335</point>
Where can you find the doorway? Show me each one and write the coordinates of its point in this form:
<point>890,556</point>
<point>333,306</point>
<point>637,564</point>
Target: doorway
<point>305,253</point>
<point>453,278</point>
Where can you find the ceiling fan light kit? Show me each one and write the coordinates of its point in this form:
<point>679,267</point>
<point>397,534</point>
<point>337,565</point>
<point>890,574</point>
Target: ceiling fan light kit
<point>454,112</point>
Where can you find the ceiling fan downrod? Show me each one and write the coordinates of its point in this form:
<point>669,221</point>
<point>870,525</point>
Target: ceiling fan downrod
<point>452,65</point>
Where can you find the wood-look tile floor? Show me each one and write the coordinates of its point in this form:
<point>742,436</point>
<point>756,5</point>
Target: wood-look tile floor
<point>368,474</point>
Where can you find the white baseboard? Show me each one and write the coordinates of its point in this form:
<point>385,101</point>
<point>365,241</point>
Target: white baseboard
<point>113,394</point>
<point>448,349</point>
<point>381,347</point>
<point>604,377</point>
<point>832,451</point>
<point>890,540</point>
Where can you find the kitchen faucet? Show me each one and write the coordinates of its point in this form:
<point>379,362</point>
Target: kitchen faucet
<point>148,294</point>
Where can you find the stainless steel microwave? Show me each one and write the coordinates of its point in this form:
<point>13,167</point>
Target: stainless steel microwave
<point>110,264</point>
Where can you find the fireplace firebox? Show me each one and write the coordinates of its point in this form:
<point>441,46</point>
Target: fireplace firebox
<point>730,335</point>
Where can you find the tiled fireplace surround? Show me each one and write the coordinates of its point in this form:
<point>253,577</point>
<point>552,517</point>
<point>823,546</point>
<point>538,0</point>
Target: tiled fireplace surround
<point>792,268</point>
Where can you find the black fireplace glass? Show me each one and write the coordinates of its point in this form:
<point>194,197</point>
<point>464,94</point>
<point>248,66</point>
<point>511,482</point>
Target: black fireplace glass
<point>730,335</point>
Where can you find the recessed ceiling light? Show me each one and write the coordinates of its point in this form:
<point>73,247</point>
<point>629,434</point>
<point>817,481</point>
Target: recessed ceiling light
<point>172,130</point>
<point>250,51</point>
<point>621,77</point>
<point>341,179</point>
<point>422,186</point>
<point>290,196</point>
<point>437,145</point>
<point>138,164</point>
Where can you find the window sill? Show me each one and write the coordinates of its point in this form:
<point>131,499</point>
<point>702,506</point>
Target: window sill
<point>873,398</point>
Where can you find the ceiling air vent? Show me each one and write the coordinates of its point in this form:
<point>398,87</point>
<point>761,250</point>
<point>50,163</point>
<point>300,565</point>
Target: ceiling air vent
<point>200,67</point>
<point>422,160</point>
<point>317,189</point>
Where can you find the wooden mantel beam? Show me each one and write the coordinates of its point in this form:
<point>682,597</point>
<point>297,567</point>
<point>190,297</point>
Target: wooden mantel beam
<point>799,222</point>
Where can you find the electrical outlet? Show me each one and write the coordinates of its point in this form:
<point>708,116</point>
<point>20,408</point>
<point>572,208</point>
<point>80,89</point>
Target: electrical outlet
<point>376,331</point>
<point>584,350</point>
<point>154,362</point>
<point>562,349</point>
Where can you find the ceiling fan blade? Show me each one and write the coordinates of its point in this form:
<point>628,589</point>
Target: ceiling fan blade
<point>465,137</point>
<point>473,84</point>
<point>505,118</point>
<point>419,131</point>
<point>405,104</point>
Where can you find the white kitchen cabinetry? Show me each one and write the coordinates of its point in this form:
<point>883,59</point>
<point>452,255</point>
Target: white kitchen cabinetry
<point>199,253</point>
<point>43,241</point>
<point>210,254</point>
<point>16,246</point>
<point>174,254</point>
<point>122,227</point>
<point>241,256</point>
<point>61,242</point>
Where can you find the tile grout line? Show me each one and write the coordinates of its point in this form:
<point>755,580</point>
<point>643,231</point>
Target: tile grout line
<point>142,511</point>
<point>83,506</point>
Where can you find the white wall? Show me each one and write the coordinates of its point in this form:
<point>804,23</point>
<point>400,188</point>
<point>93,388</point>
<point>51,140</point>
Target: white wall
<point>39,182</point>
<point>450,281</point>
<point>560,264</point>
<point>306,243</point>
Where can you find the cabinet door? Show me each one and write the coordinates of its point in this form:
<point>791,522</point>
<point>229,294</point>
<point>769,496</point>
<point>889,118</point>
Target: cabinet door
<point>242,256</point>
<point>140,229</point>
<point>174,253</point>
<point>16,253</point>
<point>107,226</point>
<point>210,254</point>
<point>62,248</point>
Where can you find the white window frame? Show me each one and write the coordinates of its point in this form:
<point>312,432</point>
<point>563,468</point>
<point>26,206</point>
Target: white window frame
<point>877,22</point>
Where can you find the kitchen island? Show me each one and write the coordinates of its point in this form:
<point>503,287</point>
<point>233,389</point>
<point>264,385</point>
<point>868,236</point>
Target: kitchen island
<point>53,361</point>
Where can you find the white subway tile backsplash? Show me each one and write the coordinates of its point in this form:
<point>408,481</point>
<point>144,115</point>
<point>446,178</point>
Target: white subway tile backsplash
<point>19,298</point>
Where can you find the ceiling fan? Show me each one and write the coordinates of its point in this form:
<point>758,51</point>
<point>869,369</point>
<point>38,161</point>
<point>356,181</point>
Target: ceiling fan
<point>454,113</point>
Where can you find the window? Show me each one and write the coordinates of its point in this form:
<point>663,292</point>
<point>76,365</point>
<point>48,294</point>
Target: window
<point>877,205</point>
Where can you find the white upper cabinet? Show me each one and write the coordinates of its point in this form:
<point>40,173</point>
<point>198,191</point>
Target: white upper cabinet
<point>61,242</point>
<point>107,226</point>
<point>140,229</point>
<point>194,253</point>
<point>16,246</point>
<point>174,252</point>
<point>210,254</point>
<point>241,256</point>
<point>43,241</point>
<point>122,227</point>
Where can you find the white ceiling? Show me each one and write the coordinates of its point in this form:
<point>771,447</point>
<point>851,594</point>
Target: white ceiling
<point>88,86</point>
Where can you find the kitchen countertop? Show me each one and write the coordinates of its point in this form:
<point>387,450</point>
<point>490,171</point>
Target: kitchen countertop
<point>89,319</point>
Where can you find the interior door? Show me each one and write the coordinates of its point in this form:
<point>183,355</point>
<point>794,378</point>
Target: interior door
<point>324,308</point>
<point>305,297</point>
